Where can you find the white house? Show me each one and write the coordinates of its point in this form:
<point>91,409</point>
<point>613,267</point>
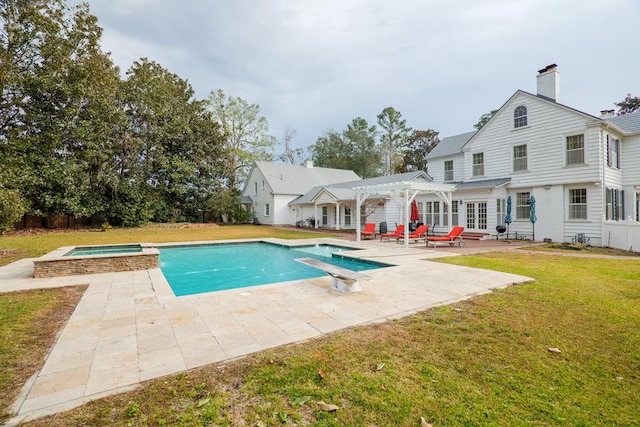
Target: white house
<point>272,185</point>
<point>285,194</point>
<point>583,171</point>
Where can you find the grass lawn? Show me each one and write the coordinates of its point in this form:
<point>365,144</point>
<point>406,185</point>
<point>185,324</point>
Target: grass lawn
<point>485,361</point>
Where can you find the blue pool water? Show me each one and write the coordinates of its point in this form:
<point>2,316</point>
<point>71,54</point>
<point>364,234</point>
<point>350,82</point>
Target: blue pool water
<point>104,250</point>
<point>196,269</point>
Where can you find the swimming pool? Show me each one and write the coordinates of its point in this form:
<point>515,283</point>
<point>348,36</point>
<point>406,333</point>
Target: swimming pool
<point>207,268</point>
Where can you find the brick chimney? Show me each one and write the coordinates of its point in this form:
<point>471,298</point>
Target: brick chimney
<point>605,114</point>
<point>549,82</point>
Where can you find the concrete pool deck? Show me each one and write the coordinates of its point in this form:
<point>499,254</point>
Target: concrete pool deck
<point>128,327</point>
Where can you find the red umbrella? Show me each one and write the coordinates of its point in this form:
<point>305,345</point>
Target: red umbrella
<point>415,215</point>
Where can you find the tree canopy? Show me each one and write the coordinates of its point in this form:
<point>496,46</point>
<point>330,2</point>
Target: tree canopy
<point>76,138</point>
<point>418,145</point>
<point>628,105</point>
<point>355,148</point>
<point>484,119</point>
<point>393,136</point>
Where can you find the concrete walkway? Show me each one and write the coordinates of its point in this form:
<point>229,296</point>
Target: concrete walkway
<point>129,327</point>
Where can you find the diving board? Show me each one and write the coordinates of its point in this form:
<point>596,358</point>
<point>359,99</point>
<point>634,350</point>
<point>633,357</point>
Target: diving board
<point>342,279</point>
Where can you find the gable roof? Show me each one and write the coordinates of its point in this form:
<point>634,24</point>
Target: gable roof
<point>450,145</point>
<point>285,178</point>
<point>628,123</point>
<point>344,190</point>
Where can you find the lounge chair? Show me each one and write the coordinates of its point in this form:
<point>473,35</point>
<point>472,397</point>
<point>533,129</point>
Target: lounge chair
<point>419,233</point>
<point>399,231</point>
<point>454,236</point>
<point>369,231</point>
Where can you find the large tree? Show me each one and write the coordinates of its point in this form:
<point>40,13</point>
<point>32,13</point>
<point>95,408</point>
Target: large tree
<point>246,135</point>
<point>332,150</point>
<point>354,149</point>
<point>629,105</point>
<point>176,143</point>
<point>418,145</point>
<point>365,157</point>
<point>53,100</point>
<point>393,135</point>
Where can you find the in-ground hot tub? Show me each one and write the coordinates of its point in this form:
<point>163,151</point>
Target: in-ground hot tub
<point>68,261</point>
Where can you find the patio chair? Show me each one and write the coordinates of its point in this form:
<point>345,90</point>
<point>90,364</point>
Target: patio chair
<point>419,233</point>
<point>454,236</point>
<point>398,232</point>
<point>369,231</point>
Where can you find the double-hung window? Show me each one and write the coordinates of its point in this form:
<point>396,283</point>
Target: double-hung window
<point>448,170</point>
<point>478,164</point>
<point>613,152</point>
<point>615,204</point>
<point>575,149</point>
<point>267,209</point>
<point>578,203</point>
<point>520,158</point>
<point>522,205</point>
<point>520,117</point>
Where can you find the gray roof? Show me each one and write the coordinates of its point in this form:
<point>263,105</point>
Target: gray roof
<point>284,178</point>
<point>344,190</point>
<point>486,183</point>
<point>246,200</point>
<point>628,123</point>
<point>450,145</point>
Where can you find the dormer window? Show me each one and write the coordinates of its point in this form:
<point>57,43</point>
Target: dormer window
<point>520,117</point>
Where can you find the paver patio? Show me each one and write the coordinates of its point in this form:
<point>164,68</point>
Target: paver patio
<point>129,327</point>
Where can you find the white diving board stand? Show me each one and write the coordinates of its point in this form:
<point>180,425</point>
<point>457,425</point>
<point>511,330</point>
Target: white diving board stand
<point>342,279</point>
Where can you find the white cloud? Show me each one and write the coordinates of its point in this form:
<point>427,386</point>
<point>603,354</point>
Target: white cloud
<point>315,65</point>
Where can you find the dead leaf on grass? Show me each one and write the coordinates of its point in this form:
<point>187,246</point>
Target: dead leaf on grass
<point>327,406</point>
<point>322,374</point>
<point>424,423</point>
<point>554,350</point>
<point>380,366</point>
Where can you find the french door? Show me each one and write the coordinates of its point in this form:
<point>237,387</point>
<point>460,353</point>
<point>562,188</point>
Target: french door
<point>476,216</point>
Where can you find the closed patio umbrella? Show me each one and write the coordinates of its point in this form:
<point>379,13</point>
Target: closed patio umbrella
<point>415,215</point>
<point>507,217</point>
<point>532,215</point>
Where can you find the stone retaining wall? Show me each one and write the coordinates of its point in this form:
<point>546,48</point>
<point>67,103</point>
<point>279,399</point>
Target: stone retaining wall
<point>66,266</point>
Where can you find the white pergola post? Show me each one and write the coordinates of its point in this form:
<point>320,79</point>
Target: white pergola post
<point>337,215</point>
<point>315,216</point>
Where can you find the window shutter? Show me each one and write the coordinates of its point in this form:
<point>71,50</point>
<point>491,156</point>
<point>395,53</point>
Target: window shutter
<point>622,215</point>
<point>617,141</point>
<point>608,151</point>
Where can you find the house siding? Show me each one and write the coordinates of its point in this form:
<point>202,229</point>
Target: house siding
<point>545,139</point>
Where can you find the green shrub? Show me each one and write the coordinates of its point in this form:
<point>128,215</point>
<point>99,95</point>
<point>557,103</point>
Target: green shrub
<point>11,209</point>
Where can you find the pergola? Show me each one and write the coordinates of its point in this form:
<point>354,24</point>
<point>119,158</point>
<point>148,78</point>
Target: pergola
<point>407,192</point>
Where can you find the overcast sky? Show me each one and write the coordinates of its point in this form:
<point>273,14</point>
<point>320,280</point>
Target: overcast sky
<point>315,65</point>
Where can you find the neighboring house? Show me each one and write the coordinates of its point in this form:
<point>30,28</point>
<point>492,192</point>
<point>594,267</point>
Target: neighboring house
<point>333,206</point>
<point>272,185</point>
<point>583,171</point>
<point>285,194</point>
